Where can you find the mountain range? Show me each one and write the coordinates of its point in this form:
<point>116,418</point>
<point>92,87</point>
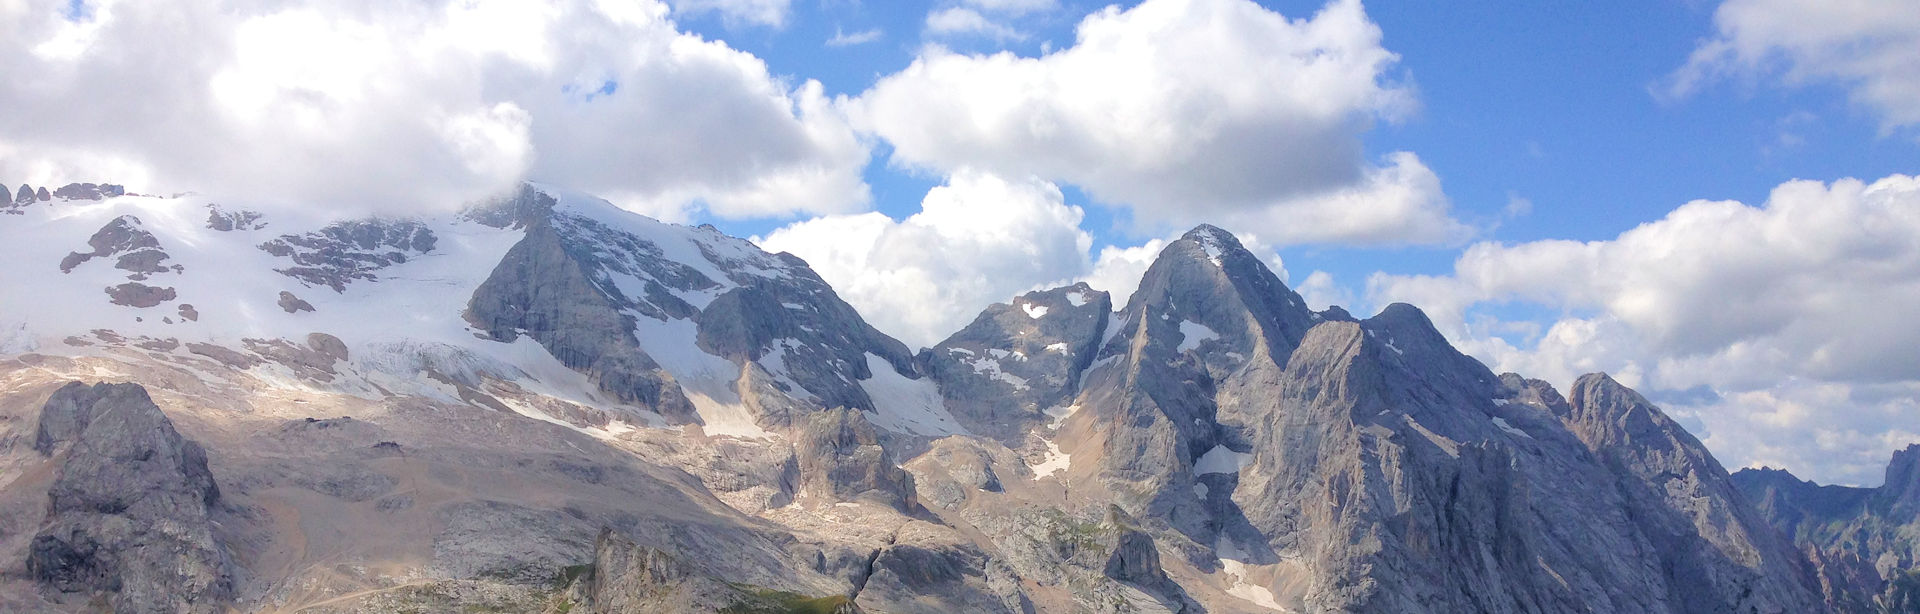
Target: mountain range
<point>544,403</point>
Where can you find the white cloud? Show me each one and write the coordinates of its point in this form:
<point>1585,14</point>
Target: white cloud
<point>1320,292</point>
<point>849,39</point>
<point>961,20</point>
<point>1865,45</point>
<point>1185,111</point>
<point>385,106</point>
<point>1118,269</point>
<point>1814,291</point>
<point>772,13</point>
<point>977,240</point>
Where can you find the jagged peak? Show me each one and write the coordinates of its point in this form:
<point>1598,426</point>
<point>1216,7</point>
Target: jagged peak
<point>1903,476</point>
<point>1215,243</point>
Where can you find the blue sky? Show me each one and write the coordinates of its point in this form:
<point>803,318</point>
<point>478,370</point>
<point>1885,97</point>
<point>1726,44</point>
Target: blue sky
<point>1372,152</point>
<point>1554,103</point>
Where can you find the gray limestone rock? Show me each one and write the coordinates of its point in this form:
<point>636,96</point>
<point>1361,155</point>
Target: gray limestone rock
<point>345,252</point>
<point>139,295</point>
<point>292,304</point>
<point>89,191</point>
<point>1237,425</point>
<point>585,288</point>
<point>540,290</point>
<point>123,235</point>
<point>1862,542</point>
<point>628,578</point>
<point>933,569</point>
<point>128,514</point>
<point>222,220</point>
<point>1016,360</point>
<point>840,459</point>
<point>522,209</point>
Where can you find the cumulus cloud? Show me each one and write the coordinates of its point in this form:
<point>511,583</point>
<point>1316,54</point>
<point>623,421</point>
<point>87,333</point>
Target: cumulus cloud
<point>388,106</point>
<point>1184,111</point>
<point>1118,269</point>
<point>978,239</point>
<point>1866,46</point>
<point>1803,303</point>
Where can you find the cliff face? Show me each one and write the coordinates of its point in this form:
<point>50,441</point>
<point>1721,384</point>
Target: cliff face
<point>128,513</point>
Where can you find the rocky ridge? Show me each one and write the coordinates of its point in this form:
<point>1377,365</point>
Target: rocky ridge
<point>617,413</point>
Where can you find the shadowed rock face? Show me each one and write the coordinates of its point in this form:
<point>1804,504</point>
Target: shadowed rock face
<point>1018,359</point>
<point>541,291</point>
<point>128,512</point>
<point>585,288</point>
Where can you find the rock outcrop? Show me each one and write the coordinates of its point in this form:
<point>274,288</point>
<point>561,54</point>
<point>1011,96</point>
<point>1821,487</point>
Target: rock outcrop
<point>139,295</point>
<point>138,249</point>
<point>627,578</point>
<point>1017,360</point>
<point>345,252</point>
<point>88,191</point>
<point>128,513</point>
<point>841,460</point>
<point>621,298</point>
<point>1324,463</point>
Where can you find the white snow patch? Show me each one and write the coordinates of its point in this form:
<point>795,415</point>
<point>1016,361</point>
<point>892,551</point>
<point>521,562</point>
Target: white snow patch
<point>961,351</point>
<point>906,405</point>
<point>1055,462</point>
<point>991,368</point>
<point>1057,347</point>
<point>1234,567</point>
<point>1192,333</point>
<point>1509,428</point>
<point>775,362</point>
<point>1222,460</point>
<point>1115,321</point>
<point>1077,298</point>
<point>1199,490</point>
<point>1501,402</point>
<point>708,380</point>
<point>1034,311</point>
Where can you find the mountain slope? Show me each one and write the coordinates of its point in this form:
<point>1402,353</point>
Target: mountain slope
<point>447,412</point>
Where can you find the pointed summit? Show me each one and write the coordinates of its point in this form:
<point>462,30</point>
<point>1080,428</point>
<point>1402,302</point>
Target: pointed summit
<point>1020,359</point>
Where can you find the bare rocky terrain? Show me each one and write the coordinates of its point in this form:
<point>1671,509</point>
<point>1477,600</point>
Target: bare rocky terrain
<point>544,404</point>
